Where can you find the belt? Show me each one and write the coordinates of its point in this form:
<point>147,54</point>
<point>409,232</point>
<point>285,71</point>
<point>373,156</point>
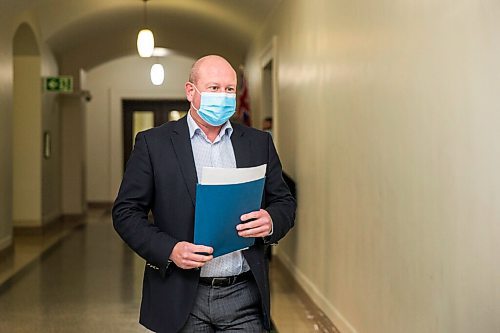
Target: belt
<point>227,280</point>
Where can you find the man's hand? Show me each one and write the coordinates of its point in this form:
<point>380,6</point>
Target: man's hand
<point>187,255</point>
<point>260,224</point>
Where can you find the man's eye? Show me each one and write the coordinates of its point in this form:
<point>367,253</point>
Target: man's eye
<point>213,88</point>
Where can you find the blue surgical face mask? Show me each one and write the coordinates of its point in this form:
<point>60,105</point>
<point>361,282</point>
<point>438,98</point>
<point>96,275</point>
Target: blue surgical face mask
<point>216,108</point>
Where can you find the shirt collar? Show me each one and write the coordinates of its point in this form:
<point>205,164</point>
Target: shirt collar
<point>194,128</point>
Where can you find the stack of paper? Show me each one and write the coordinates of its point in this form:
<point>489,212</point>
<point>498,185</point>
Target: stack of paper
<point>222,196</point>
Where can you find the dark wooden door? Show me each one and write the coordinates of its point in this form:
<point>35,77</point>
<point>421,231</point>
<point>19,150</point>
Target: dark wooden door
<point>158,112</point>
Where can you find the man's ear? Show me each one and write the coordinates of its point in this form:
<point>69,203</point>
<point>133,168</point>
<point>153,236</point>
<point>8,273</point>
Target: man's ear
<point>189,89</point>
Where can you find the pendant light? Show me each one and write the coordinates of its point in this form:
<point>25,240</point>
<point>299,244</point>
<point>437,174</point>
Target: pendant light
<point>145,38</point>
<point>157,74</point>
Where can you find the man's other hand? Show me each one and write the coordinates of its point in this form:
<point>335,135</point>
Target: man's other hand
<point>187,255</point>
<point>255,224</point>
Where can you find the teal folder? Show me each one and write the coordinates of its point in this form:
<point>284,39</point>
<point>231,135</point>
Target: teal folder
<point>218,211</point>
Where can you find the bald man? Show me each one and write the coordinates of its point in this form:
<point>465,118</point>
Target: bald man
<point>184,290</point>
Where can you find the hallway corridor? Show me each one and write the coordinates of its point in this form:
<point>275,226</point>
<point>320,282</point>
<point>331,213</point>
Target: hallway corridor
<point>90,281</point>
<point>385,114</point>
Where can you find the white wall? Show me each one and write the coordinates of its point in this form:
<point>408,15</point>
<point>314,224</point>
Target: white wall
<point>389,121</point>
<point>126,77</point>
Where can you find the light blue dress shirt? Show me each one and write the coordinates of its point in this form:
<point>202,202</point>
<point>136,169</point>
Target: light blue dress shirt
<point>218,154</point>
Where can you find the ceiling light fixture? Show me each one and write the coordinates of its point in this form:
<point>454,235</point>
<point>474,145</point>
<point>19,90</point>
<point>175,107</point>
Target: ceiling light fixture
<point>145,38</point>
<point>157,74</point>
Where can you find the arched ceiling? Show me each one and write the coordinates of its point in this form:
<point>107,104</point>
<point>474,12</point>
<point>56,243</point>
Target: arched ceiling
<point>86,33</point>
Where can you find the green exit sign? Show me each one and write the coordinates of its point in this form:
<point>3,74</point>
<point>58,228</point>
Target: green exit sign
<point>63,84</point>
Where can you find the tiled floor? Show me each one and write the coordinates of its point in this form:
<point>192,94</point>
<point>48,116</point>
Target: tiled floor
<point>28,248</point>
<point>89,281</point>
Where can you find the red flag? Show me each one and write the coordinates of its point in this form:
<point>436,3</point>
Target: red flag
<point>243,112</point>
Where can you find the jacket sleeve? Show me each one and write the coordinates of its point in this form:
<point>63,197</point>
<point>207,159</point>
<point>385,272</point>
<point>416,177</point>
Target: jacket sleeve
<point>132,206</point>
<point>279,202</point>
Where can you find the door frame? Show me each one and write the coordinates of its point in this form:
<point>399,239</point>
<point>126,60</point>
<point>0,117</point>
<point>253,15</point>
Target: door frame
<point>270,55</point>
<point>161,109</point>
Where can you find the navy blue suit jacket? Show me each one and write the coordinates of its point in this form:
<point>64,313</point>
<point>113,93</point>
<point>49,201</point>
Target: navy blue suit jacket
<point>160,176</point>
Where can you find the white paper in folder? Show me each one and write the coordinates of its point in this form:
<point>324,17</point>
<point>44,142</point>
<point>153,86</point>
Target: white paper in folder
<point>226,176</point>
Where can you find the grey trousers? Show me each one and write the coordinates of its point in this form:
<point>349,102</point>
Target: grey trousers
<point>235,308</point>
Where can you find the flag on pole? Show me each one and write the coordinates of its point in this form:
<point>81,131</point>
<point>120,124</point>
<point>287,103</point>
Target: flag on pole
<point>243,112</point>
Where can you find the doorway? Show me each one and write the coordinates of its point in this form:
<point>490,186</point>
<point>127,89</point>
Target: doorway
<point>140,115</point>
<point>269,92</point>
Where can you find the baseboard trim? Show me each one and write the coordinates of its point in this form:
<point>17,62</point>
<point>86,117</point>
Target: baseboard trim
<point>38,229</point>
<point>23,223</point>
<point>73,217</point>
<point>100,205</point>
<point>309,290</point>
<point>50,218</point>
<point>55,223</point>
<point>6,247</point>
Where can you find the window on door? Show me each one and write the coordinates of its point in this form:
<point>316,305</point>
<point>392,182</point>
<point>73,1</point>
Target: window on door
<point>140,115</point>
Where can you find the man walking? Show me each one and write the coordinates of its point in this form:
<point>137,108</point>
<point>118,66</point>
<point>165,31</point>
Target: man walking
<point>185,289</point>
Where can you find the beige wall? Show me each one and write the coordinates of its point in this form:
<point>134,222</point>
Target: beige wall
<point>73,200</point>
<point>11,16</point>
<point>27,142</point>
<point>389,121</point>
<point>5,134</point>
<point>51,167</point>
<point>51,122</point>
<point>72,108</point>
<point>36,181</point>
<point>126,77</point>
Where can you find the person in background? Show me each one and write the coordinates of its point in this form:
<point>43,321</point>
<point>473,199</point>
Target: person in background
<point>267,125</point>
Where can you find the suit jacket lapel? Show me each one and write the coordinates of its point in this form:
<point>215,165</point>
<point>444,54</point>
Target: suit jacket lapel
<point>184,152</point>
<point>241,146</point>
